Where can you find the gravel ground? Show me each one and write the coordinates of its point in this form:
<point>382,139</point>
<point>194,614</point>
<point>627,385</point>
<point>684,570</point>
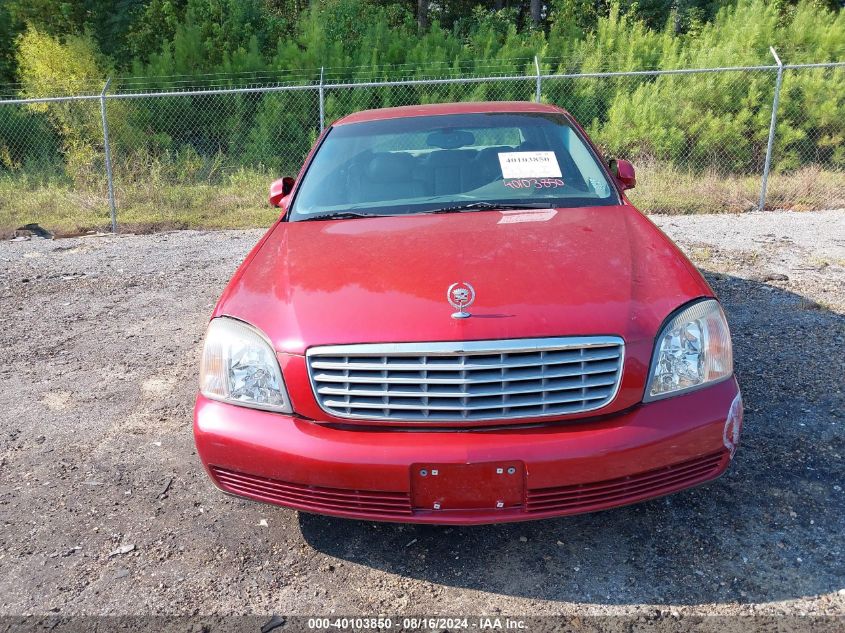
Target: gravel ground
<point>105,508</point>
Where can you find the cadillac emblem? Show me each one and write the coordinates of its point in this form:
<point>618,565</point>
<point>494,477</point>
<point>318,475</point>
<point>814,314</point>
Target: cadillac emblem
<point>460,295</point>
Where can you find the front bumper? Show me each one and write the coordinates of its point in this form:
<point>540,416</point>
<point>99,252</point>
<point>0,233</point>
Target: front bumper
<point>486,476</point>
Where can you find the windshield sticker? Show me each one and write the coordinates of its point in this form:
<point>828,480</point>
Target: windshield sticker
<point>529,165</point>
<point>533,183</point>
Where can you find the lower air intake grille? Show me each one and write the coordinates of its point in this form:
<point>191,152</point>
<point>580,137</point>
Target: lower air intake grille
<point>614,492</point>
<point>315,498</point>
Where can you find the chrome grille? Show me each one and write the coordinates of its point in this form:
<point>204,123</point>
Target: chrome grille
<point>468,380</point>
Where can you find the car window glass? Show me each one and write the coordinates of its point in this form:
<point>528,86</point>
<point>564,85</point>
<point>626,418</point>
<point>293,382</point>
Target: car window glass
<point>420,164</point>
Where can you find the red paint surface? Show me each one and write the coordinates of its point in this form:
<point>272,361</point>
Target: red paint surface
<point>377,462</point>
<point>566,272</point>
<point>446,109</point>
<point>481,486</point>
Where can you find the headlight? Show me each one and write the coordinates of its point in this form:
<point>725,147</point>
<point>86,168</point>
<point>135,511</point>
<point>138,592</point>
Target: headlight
<point>692,350</point>
<point>239,366</point>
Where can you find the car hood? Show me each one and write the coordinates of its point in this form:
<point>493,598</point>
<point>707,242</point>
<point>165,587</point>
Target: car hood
<point>563,272</point>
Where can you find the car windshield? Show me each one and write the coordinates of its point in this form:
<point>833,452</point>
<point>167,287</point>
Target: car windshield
<point>449,163</point>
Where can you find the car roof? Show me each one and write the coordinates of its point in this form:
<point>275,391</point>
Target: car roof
<point>437,109</point>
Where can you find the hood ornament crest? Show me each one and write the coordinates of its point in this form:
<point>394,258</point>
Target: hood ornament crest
<point>460,295</point>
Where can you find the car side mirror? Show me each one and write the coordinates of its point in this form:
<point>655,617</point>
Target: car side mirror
<point>279,189</point>
<point>624,173</point>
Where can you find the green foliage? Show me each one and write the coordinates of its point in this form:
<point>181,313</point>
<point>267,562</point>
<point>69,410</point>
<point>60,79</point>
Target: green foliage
<point>8,31</point>
<point>46,64</point>
<point>713,122</point>
<point>29,145</point>
<point>722,119</point>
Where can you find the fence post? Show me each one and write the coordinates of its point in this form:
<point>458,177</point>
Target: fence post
<point>322,103</point>
<point>539,80</point>
<point>772,127</point>
<point>107,151</point>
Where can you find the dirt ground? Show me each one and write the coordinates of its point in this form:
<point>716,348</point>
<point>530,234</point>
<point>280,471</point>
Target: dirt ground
<point>105,508</point>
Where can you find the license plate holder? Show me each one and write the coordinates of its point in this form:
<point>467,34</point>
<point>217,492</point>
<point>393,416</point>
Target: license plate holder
<point>479,486</point>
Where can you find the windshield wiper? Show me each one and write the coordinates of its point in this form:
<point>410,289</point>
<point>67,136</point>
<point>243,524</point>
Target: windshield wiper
<point>342,215</point>
<point>485,206</point>
<point>458,208</point>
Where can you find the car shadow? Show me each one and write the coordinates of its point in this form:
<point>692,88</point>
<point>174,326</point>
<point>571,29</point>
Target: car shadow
<point>770,529</point>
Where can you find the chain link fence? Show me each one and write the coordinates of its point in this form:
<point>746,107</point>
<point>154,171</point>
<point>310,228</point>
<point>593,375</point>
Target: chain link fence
<point>808,158</point>
<point>703,140</point>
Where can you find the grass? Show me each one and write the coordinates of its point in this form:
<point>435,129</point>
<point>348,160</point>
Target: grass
<point>239,200</point>
<point>664,189</point>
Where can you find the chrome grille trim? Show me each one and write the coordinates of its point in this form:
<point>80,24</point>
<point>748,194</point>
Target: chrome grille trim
<point>466,381</point>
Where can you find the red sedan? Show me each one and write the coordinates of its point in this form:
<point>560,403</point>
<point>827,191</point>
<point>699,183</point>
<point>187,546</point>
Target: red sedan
<point>460,318</point>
